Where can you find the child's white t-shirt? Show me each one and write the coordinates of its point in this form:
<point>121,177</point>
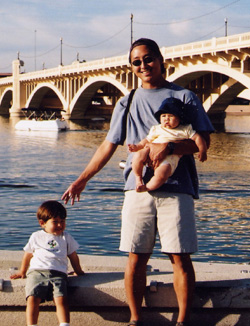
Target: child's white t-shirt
<point>50,251</point>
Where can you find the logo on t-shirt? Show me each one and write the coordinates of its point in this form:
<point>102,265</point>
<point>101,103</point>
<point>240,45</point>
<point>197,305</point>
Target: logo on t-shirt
<point>52,244</point>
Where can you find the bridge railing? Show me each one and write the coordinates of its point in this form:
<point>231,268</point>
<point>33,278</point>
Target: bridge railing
<point>77,67</point>
<point>6,81</point>
<point>207,46</point>
<point>197,48</point>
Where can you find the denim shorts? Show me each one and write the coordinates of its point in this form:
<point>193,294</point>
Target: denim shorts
<point>46,284</point>
<point>170,214</point>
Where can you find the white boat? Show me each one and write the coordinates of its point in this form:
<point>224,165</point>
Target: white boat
<point>42,120</point>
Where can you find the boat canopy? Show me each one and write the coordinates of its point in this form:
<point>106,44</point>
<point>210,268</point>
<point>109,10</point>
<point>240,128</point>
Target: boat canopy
<point>42,113</point>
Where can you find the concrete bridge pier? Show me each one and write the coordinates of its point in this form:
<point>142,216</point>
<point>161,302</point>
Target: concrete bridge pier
<point>18,99</point>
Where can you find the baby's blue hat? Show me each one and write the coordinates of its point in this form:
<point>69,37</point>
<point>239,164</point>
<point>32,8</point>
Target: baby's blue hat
<point>173,106</point>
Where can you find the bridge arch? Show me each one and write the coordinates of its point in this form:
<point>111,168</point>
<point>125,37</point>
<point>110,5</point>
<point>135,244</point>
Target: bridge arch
<point>220,96</point>
<point>81,103</point>
<point>6,101</point>
<point>39,93</point>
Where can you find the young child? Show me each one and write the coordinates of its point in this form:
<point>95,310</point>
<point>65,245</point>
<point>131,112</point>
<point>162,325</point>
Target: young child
<point>169,130</point>
<point>45,259</point>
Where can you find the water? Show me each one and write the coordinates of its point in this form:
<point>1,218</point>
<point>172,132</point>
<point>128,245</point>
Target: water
<point>39,166</point>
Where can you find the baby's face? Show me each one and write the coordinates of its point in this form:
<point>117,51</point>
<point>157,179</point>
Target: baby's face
<point>169,120</point>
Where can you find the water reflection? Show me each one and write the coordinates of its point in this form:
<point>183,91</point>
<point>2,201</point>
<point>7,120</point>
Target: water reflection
<point>223,211</point>
<point>36,167</point>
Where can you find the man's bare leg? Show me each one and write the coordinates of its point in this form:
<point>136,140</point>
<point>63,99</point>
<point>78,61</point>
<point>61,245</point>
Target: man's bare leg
<point>184,283</point>
<point>135,282</point>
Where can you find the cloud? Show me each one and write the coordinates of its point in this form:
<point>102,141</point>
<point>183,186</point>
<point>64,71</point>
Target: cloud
<point>101,28</point>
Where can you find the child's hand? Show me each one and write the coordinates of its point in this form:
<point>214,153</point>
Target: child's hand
<point>17,275</point>
<point>80,273</point>
<point>135,147</point>
<point>76,274</point>
<point>132,147</point>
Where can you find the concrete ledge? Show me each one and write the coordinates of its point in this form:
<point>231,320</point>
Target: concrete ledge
<point>219,287</point>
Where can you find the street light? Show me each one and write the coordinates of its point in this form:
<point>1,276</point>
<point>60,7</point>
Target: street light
<point>131,18</point>
<point>35,50</point>
<point>61,40</point>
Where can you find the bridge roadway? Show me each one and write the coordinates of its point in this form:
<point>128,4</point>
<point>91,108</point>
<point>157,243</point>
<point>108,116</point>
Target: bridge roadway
<point>217,70</point>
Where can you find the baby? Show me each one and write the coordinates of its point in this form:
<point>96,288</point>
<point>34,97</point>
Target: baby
<point>169,130</point>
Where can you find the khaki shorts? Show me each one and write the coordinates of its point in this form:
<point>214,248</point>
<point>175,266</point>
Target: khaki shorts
<point>46,284</point>
<point>171,214</point>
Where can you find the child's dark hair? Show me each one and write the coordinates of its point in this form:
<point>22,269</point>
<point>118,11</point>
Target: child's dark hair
<point>51,209</point>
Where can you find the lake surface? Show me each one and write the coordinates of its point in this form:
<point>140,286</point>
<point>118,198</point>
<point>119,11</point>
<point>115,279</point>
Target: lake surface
<point>35,167</point>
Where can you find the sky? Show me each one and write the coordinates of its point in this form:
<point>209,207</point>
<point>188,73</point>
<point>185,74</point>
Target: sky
<point>45,33</point>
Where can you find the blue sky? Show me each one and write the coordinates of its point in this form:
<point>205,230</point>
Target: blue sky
<point>96,29</point>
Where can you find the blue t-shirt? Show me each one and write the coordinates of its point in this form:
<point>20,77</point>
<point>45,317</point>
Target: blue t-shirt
<point>135,127</point>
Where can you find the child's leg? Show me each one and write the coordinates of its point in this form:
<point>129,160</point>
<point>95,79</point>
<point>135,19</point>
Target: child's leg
<point>32,310</point>
<point>138,162</point>
<point>62,309</point>
<point>161,174</point>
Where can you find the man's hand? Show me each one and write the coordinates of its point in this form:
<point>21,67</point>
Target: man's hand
<point>202,156</point>
<point>157,153</point>
<point>73,192</point>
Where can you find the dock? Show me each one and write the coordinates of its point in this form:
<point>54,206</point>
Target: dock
<point>222,294</point>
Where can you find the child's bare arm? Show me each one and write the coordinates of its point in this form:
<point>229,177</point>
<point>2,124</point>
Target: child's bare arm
<point>24,266</point>
<point>75,262</point>
<point>202,146</point>
<point>137,147</point>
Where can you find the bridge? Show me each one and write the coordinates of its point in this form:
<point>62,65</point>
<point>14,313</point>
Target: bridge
<point>217,70</point>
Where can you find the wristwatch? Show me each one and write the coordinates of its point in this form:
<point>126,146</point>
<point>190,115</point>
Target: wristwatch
<point>171,147</point>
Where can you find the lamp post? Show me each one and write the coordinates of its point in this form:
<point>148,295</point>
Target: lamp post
<point>35,50</point>
<point>61,40</point>
<point>131,18</point>
<point>225,26</point>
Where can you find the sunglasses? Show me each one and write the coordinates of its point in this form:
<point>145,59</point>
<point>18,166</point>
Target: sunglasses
<point>146,60</point>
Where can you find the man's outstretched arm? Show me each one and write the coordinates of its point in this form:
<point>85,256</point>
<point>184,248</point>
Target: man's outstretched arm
<point>98,161</point>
